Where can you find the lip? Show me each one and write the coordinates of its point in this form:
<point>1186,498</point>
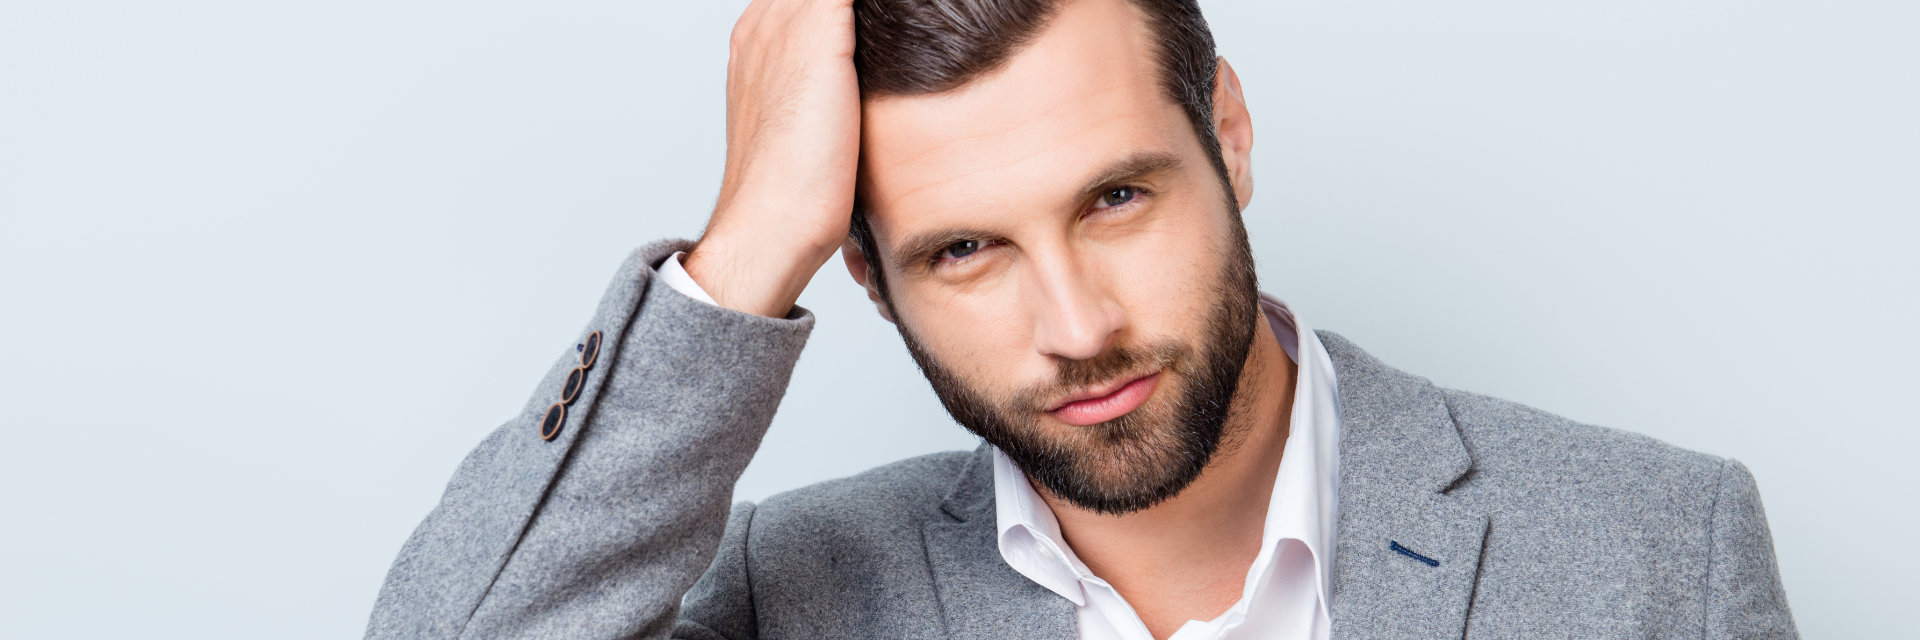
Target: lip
<point>1100,405</point>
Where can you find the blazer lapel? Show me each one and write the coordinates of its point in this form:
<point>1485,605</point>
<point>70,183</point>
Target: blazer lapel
<point>1407,554</point>
<point>981,598</point>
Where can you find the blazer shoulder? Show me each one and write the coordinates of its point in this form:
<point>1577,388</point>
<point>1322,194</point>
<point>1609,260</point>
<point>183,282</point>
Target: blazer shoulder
<point>1523,447</point>
<point>908,490</point>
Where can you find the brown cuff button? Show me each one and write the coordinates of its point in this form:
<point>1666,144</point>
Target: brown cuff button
<point>591,350</point>
<point>576,380</point>
<point>551,422</point>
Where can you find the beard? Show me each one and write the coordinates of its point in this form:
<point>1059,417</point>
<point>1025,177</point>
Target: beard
<point>1150,454</point>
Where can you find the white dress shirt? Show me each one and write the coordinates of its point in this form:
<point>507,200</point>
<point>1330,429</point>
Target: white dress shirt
<point>675,275</point>
<point>1286,595</point>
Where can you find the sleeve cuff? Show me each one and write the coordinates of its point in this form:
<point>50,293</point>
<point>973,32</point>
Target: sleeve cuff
<point>676,276</point>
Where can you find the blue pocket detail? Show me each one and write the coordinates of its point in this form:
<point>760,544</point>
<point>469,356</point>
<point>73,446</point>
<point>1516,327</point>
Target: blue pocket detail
<point>1409,553</point>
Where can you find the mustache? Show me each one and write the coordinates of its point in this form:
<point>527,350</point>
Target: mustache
<point>1074,375</point>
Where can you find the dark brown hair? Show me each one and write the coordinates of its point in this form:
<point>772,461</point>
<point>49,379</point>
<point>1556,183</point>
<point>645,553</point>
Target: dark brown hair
<point>920,47</point>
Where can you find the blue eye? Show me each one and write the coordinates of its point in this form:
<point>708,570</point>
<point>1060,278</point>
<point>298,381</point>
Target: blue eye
<point>961,249</point>
<point>1117,196</point>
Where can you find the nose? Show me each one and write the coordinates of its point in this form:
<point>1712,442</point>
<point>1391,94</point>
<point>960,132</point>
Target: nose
<point>1075,315</point>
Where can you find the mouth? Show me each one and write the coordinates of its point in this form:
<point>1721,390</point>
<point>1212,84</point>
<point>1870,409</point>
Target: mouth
<point>1105,403</point>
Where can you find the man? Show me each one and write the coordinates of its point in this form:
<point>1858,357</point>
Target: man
<point>1044,197</point>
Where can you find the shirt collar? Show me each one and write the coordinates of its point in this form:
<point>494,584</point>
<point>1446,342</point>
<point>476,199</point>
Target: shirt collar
<point>1030,539</point>
<point>1303,506</point>
<point>1305,492</point>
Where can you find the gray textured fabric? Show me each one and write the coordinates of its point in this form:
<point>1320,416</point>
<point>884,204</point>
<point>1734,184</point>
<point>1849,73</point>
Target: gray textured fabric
<point>1529,525</point>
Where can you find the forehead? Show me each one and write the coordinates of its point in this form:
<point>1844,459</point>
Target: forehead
<point>1084,92</point>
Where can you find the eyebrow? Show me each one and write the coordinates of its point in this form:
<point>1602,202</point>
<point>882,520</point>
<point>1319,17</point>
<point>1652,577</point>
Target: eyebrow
<point>1135,166</point>
<point>909,253</point>
<point>1129,168</point>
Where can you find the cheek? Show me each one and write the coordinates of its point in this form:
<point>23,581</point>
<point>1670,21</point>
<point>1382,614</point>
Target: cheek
<point>1165,294</point>
<point>1167,273</point>
<point>979,335</point>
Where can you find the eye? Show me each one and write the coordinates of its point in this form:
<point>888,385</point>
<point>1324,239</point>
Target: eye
<point>960,250</point>
<point>1118,196</point>
<point>961,253</point>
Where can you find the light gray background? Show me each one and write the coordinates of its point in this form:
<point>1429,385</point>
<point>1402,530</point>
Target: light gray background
<point>269,269</point>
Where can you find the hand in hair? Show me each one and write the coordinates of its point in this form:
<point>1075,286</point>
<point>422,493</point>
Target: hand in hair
<point>793,143</point>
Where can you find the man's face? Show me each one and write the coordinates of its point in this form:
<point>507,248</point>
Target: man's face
<point>1064,261</point>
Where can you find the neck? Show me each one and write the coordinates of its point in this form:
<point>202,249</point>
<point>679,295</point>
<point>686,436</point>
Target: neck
<point>1190,553</point>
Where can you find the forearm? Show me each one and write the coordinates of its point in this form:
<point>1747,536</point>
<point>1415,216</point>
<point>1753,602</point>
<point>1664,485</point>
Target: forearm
<point>601,530</point>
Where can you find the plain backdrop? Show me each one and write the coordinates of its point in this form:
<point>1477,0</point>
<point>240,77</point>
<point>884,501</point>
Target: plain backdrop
<point>269,269</point>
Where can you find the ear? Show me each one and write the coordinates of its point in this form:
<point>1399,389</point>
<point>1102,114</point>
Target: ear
<point>857,267</point>
<point>1234,126</point>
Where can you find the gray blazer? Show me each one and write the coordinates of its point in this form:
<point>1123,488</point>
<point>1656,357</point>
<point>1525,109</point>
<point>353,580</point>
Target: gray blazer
<point>1517,523</point>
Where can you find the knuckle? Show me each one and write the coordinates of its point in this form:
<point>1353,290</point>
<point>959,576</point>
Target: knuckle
<point>738,36</point>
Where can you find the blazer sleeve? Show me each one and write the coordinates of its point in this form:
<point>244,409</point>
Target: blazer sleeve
<point>1745,598</point>
<point>600,531</point>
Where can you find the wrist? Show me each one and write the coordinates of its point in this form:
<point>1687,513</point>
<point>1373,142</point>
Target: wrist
<point>762,280</point>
